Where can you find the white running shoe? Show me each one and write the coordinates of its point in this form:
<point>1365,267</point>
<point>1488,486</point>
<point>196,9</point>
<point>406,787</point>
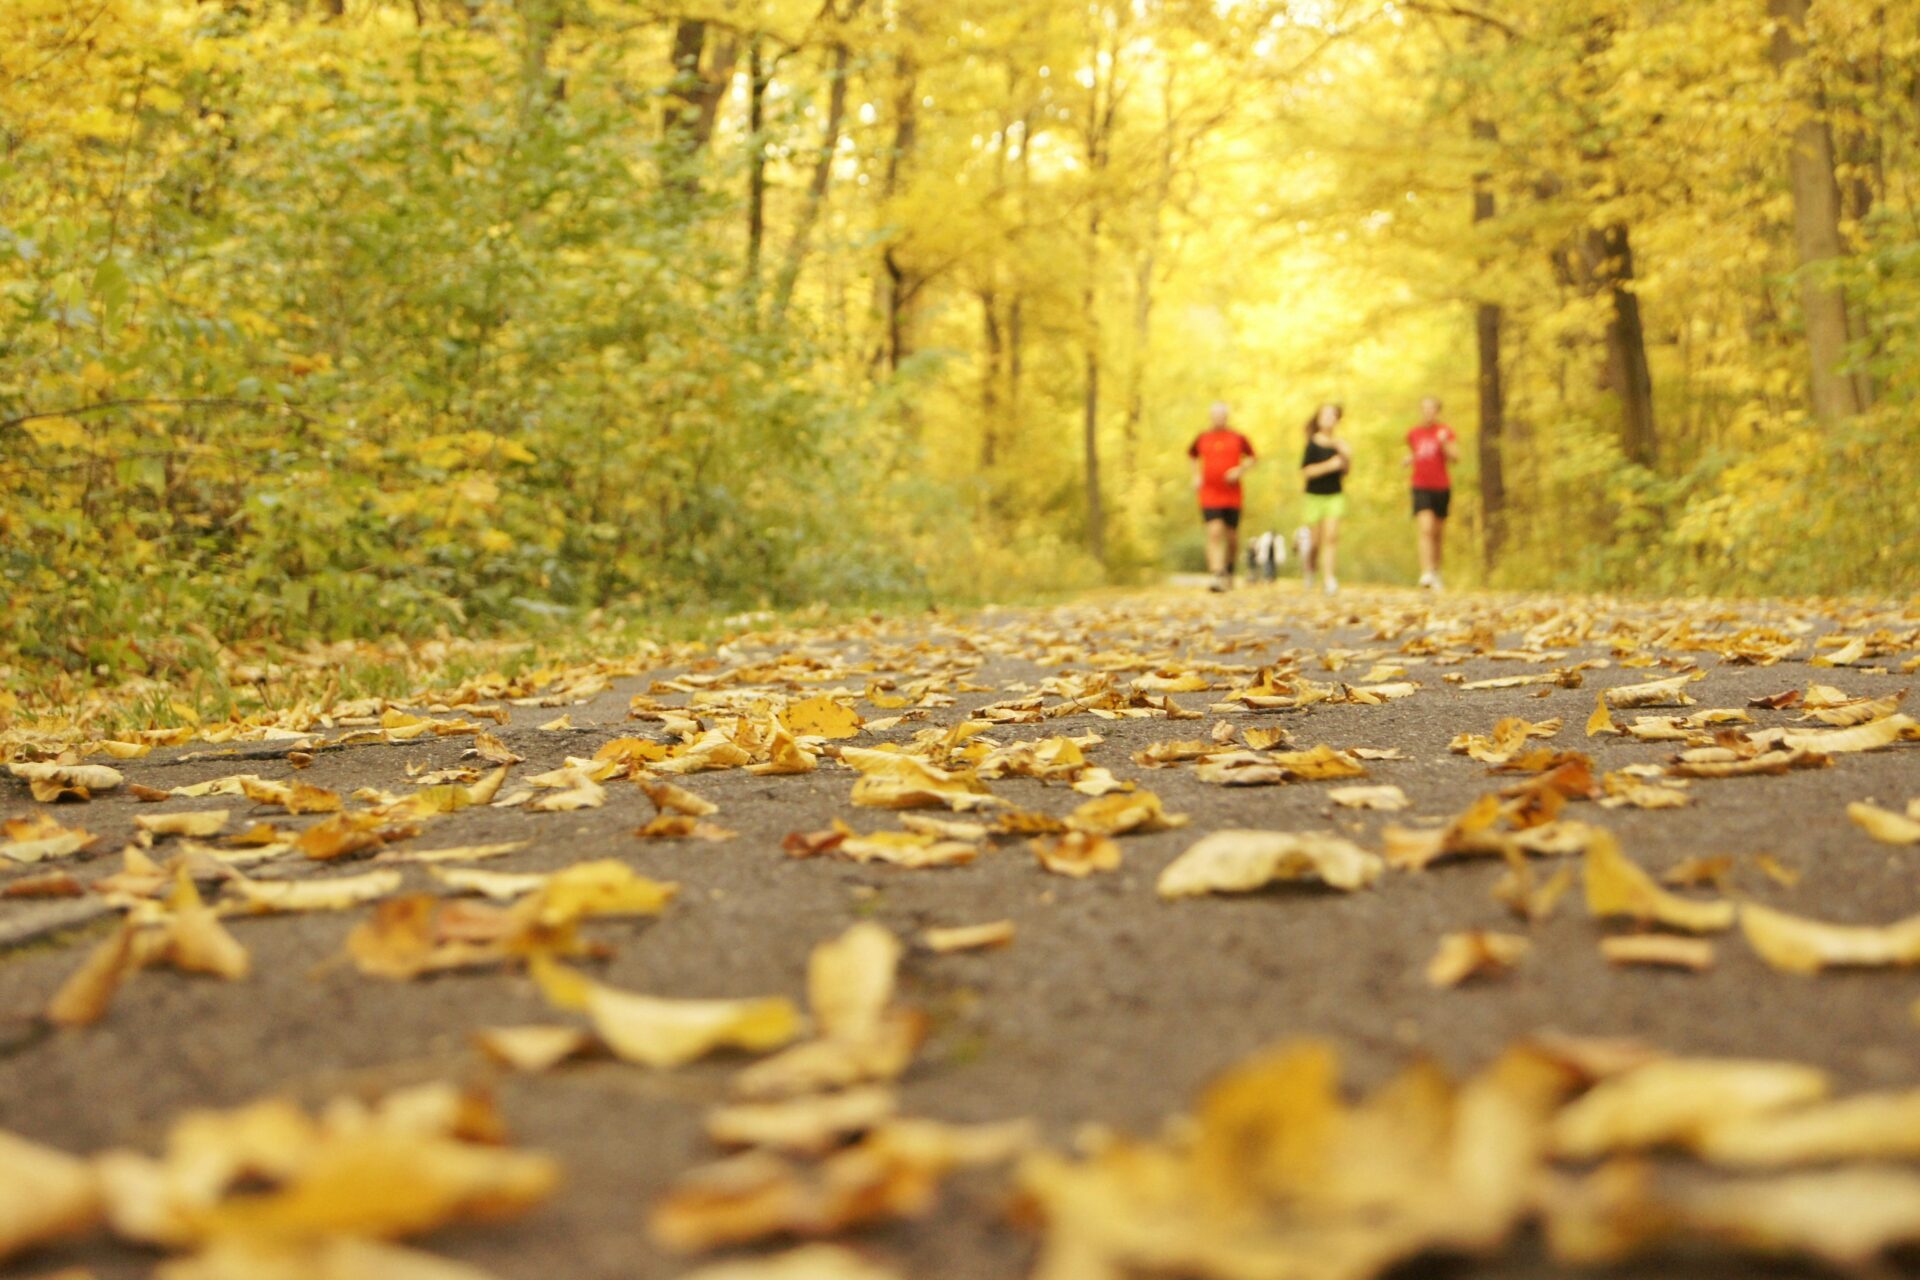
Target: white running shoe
<point>1330,586</point>
<point>1428,582</point>
<point>1435,584</point>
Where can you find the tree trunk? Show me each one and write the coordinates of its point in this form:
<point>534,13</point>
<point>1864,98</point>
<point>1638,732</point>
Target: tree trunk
<point>817,185</point>
<point>990,375</point>
<point>714,82</point>
<point>1101,111</point>
<point>899,291</point>
<point>1627,372</point>
<point>1599,262</point>
<point>1016,356</point>
<point>898,283</point>
<point>1090,419</point>
<point>1017,309</point>
<point>1090,438</point>
<point>1137,373</point>
<point>756,161</point>
<point>1143,301</point>
<point>1487,319</point>
<point>1602,262</point>
<point>541,21</point>
<point>1816,230</point>
<point>693,102</point>
<point>684,90</point>
<point>1864,153</point>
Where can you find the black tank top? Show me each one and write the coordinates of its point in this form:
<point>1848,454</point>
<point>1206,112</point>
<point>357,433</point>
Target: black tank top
<point>1326,482</point>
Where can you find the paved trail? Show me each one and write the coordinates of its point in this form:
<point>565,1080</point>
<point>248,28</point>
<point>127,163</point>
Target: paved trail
<point>1111,1007</point>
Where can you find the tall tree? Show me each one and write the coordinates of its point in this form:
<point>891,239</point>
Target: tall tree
<point>1105,88</point>
<point>899,285</point>
<point>1147,260</point>
<point>1488,316</point>
<point>694,89</point>
<point>541,22</point>
<point>1609,263</point>
<point>758,78</point>
<point>820,180</point>
<point>1834,391</point>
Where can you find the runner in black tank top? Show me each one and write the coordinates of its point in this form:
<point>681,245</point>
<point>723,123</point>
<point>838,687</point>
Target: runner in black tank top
<point>1324,468</point>
<point>1327,482</point>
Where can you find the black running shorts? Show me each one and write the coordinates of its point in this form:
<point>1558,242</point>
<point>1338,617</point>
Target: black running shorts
<point>1231,515</point>
<point>1434,500</point>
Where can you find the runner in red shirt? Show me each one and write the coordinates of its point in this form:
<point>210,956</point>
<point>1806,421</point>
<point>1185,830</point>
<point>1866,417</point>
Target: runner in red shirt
<point>1430,447</point>
<point>1221,456</point>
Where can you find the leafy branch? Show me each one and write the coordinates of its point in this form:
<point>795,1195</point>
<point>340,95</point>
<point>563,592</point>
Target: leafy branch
<point>147,402</point>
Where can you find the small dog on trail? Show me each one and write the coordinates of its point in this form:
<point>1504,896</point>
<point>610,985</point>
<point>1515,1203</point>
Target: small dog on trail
<point>1265,555</point>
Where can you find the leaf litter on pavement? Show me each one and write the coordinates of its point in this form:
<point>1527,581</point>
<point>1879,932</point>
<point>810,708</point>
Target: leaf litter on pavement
<point>1277,1170</point>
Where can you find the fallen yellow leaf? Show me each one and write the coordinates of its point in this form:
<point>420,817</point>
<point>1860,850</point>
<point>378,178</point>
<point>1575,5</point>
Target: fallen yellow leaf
<point>317,895</point>
<point>198,825</point>
<point>806,1126</point>
<point>1794,944</point>
<point>45,1195</point>
<point>1475,953</point>
<point>1675,1101</point>
<point>1617,886</point>
<point>1076,853</point>
<point>1658,949</point>
<point>1239,861</point>
<point>532,1048</point>
<point>660,1032</point>
<point>1137,811</point>
<point>821,717</point>
<point>1883,825</point>
<point>1386,797</point>
<point>968,937</point>
<point>50,782</point>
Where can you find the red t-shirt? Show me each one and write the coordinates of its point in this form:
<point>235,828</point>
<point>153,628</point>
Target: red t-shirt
<point>1220,450</point>
<point>1429,444</point>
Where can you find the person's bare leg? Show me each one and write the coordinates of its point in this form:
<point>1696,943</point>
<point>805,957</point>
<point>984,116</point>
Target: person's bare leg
<point>1231,560</point>
<point>1423,522</point>
<point>1328,546</point>
<point>1216,547</point>
<point>1439,536</point>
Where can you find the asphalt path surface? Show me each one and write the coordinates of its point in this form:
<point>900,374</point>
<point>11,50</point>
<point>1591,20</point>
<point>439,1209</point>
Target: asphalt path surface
<point>1111,1006</point>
